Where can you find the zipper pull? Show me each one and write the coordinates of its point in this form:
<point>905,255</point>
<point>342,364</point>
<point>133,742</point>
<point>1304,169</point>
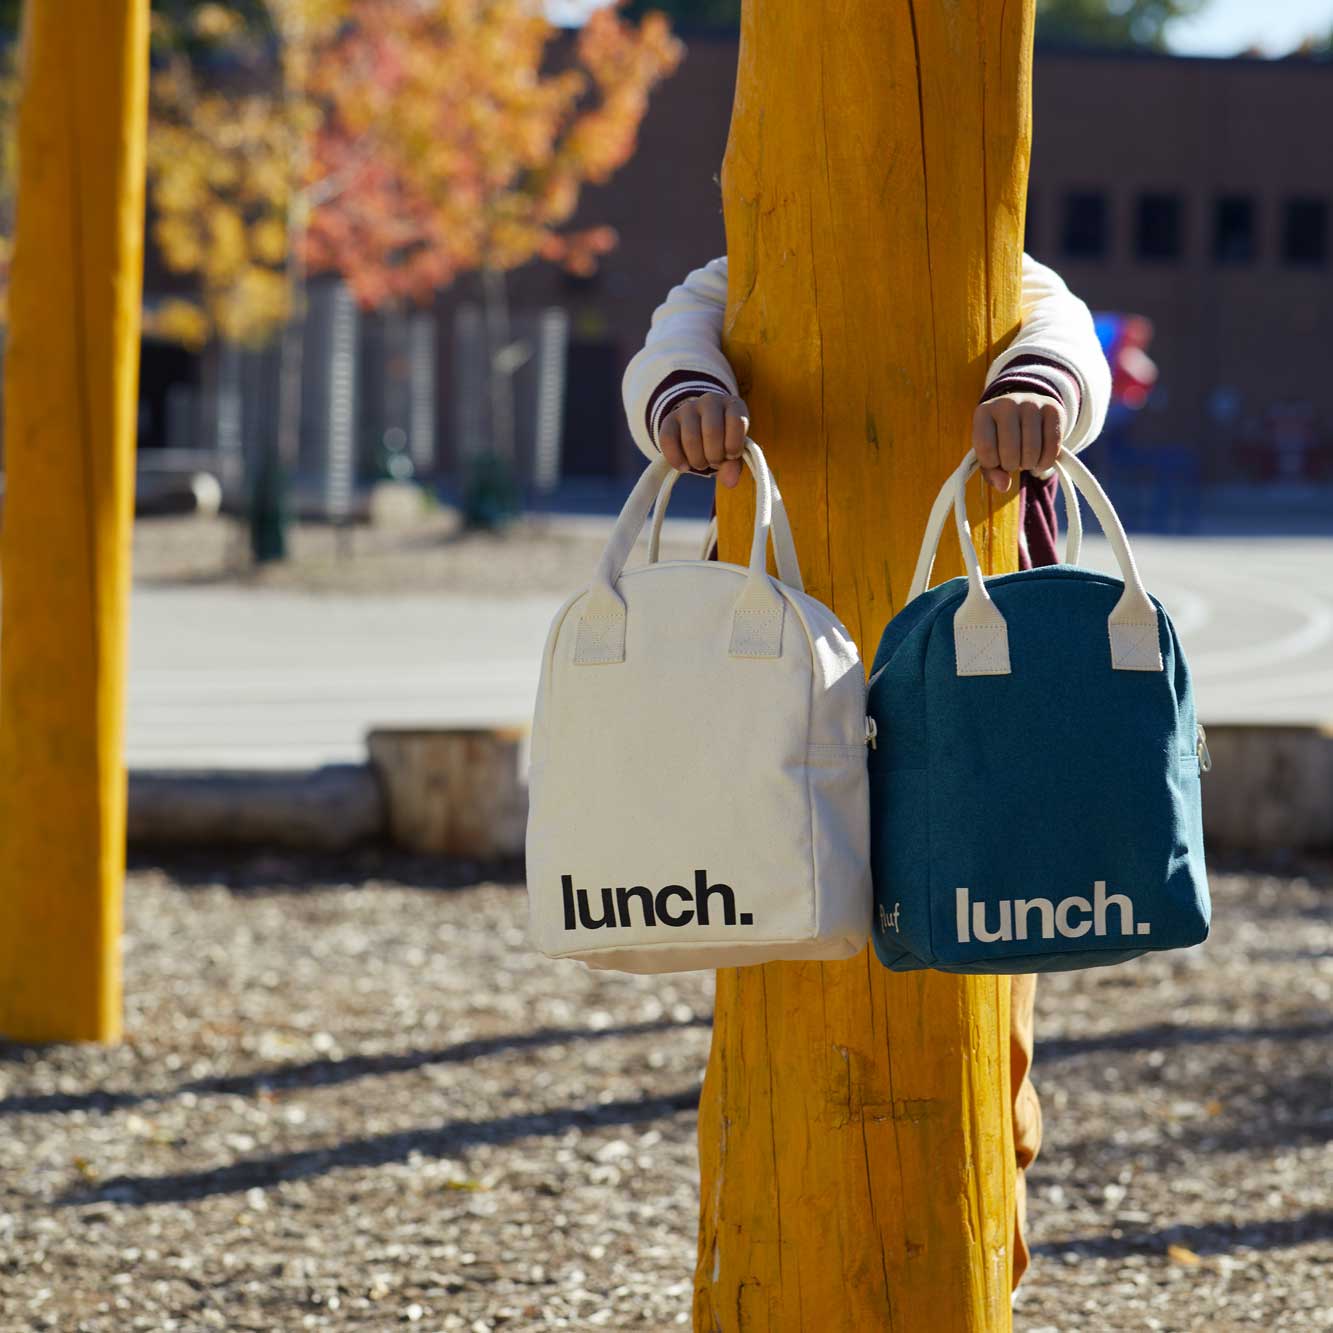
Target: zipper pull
<point>1201,748</point>
<point>872,730</point>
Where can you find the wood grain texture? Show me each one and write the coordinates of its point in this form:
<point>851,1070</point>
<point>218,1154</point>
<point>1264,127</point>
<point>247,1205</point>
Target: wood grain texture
<point>855,1132</point>
<point>71,374</point>
<point>452,791</point>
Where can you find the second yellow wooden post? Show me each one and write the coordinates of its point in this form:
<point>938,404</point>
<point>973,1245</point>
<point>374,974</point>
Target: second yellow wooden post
<point>855,1140</point>
<point>71,372</point>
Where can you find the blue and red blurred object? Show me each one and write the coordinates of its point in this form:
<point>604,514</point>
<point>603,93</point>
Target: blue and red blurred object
<point>1124,339</point>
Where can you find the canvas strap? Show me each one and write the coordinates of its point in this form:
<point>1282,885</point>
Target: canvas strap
<point>759,612</point>
<point>939,514</point>
<point>981,636</point>
<point>784,546</point>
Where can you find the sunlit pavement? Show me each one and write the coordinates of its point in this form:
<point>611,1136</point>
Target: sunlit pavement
<point>1255,616</point>
<point>225,677</point>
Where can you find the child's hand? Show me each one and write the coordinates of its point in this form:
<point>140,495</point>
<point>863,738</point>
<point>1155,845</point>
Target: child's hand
<point>1019,432</point>
<point>706,434</point>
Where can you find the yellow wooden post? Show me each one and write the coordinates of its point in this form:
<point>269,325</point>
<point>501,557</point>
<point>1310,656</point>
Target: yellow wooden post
<point>855,1132</point>
<point>71,374</point>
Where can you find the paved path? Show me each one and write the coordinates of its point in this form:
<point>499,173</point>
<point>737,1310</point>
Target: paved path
<point>1256,618</point>
<point>236,678</point>
<point>230,678</point>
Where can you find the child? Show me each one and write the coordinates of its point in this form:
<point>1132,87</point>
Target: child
<point>1049,389</point>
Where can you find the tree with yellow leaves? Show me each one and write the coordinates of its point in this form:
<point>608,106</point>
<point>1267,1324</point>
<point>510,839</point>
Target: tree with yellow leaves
<point>396,142</point>
<point>226,158</point>
<point>229,166</point>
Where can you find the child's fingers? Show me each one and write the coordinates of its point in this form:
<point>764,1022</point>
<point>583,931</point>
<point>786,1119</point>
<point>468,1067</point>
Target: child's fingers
<point>730,472</point>
<point>987,449</point>
<point>1008,434</point>
<point>668,440</point>
<point>983,438</point>
<point>1052,432</point>
<point>691,436</point>
<point>713,426</point>
<point>737,426</point>
<point>1029,417</point>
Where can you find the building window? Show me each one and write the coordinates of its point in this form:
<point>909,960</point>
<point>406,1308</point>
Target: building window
<point>1305,231</point>
<point>1085,230</point>
<point>1158,230</point>
<point>1235,233</point>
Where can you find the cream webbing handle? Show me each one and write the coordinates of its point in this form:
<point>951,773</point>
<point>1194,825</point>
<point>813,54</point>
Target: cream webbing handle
<point>759,610</point>
<point>940,512</point>
<point>784,546</point>
<point>981,636</point>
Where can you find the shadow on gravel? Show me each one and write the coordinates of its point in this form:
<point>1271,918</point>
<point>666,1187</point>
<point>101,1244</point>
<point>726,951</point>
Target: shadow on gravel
<point>326,1073</point>
<point>1295,1111</point>
<point>1166,1035</point>
<point>261,871</point>
<point>444,1141</point>
<point>1213,1239</point>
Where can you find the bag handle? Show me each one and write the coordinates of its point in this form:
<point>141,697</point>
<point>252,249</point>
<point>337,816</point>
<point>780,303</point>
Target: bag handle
<point>944,503</point>
<point>756,627</point>
<point>1073,516</point>
<point>784,546</point>
<point>711,537</point>
<point>981,636</point>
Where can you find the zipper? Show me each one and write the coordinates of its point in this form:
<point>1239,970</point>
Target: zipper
<point>1201,748</point>
<point>872,731</point>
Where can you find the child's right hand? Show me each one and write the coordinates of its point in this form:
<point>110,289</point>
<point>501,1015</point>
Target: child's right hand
<point>706,434</point>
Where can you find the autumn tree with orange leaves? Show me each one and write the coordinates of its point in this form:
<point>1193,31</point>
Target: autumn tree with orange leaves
<point>396,143</point>
<point>478,159</point>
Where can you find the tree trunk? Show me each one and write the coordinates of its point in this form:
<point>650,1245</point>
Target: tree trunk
<point>855,1133</point>
<point>499,377</point>
<point>272,492</point>
<point>71,387</point>
<point>271,515</point>
<point>292,365</point>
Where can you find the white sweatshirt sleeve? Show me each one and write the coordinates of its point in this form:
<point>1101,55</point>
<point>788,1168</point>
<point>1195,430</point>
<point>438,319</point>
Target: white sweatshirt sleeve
<point>681,354</point>
<point>1055,353</point>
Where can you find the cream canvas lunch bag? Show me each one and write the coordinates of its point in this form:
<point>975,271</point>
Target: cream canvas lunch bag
<point>698,793</point>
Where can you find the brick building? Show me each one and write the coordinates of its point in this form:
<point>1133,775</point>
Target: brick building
<point>1198,192</point>
<point>1195,191</point>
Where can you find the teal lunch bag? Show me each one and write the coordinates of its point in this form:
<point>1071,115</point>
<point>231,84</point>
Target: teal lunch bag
<point>1034,790</point>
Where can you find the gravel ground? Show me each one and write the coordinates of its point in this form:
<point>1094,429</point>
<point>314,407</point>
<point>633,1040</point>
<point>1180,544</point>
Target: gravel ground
<point>349,1098</point>
<point>438,554</point>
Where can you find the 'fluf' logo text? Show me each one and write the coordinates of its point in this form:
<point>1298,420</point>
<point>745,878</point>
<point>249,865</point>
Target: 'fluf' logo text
<point>671,905</point>
<point>1052,919</point>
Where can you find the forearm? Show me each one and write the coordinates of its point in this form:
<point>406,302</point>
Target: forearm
<point>1055,353</point>
<point>1055,356</point>
<point>681,355</point>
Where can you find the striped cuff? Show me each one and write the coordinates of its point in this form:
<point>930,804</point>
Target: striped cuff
<point>677,386</point>
<point>1041,373</point>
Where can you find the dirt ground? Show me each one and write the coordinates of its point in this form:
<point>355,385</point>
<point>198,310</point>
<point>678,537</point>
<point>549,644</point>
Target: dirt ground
<point>350,1098</point>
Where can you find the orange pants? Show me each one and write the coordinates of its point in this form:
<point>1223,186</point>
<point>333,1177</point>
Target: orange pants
<point>1027,1109</point>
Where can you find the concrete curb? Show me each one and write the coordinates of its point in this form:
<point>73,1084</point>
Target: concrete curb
<point>452,792</point>
<point>324,809</point>
<point>456,793</point>
<point>459,792</point>
<point>1270,788</point>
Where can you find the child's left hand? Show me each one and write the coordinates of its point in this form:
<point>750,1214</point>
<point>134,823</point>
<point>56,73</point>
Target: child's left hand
<point>1019,432</point>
